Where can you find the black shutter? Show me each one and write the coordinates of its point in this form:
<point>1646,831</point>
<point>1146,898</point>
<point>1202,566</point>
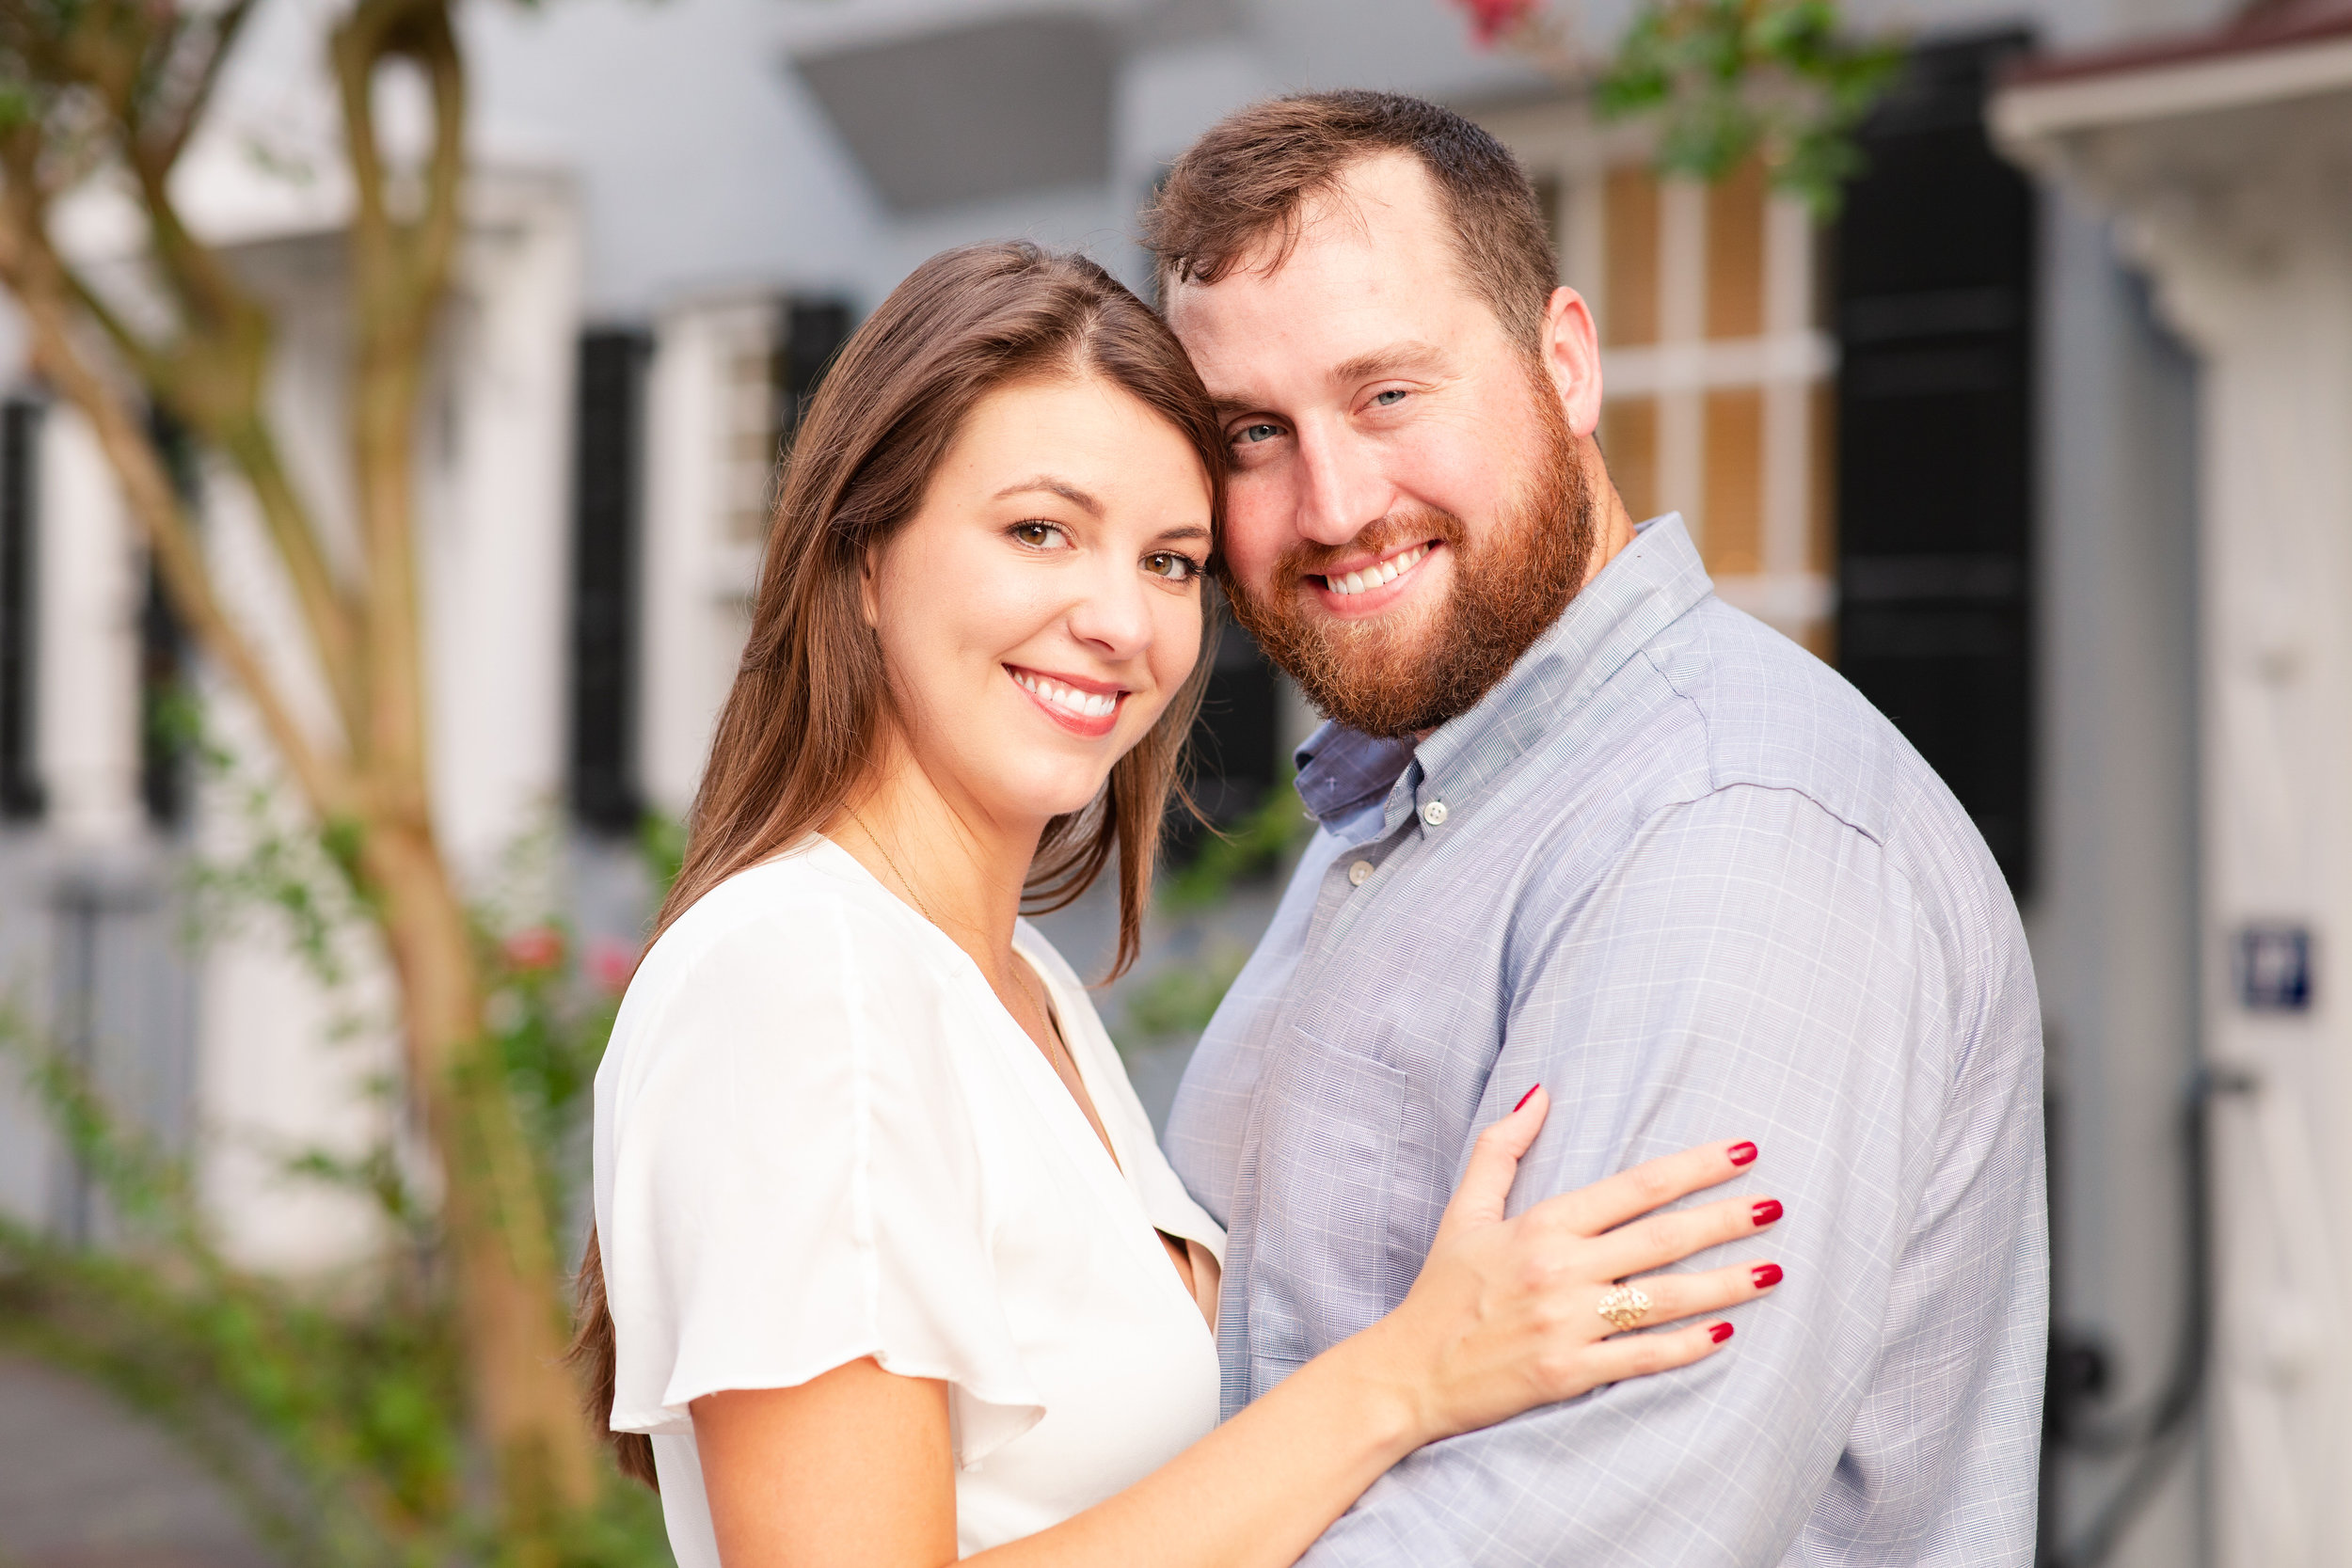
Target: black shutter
<point>1234,743</point>
<point>813,332</point>
<point>166,737</point>
<point>164,711</point>
<point>22,799</point>
<point>1233,761</point>
<point>607,499</point>
<point>1933,278</point>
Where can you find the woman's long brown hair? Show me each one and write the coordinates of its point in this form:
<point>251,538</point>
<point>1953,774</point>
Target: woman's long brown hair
<point>800,726</point>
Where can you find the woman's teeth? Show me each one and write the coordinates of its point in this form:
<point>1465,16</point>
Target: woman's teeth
<point>1083,704</point>
<point>1373,576</point>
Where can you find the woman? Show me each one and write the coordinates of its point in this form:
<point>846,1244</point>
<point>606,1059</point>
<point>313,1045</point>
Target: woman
<point>892,1271</point>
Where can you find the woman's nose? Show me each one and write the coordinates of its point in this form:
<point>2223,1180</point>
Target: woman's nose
<point>1113,615</point>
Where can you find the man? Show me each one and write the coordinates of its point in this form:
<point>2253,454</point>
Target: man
<point>1582,824</point>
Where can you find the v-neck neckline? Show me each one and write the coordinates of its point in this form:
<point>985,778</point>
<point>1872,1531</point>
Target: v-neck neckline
<point>1043,1083</point>
<point>1110,1171</point>
<point>1090,1109</point>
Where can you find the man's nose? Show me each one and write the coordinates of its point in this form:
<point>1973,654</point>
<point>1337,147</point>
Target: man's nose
<point>1341,490</point>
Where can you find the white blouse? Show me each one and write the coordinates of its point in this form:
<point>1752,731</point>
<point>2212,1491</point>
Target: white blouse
<point>819,1137</point>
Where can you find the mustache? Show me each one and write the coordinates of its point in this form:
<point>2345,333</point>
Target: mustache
<point>1396,530</point>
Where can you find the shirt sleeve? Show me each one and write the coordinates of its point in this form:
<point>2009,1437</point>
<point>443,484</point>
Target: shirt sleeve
<point>796,1184</point>
<point>1755,968</point>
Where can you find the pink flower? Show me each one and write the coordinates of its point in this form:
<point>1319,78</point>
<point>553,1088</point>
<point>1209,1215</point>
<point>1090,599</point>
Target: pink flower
<point>1491,19</point>
<point>610,963</point>
<point>534,948</point>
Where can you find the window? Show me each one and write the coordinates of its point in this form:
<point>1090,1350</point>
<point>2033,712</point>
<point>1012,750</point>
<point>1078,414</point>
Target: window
<point>1716,367</point>
<point>1716,375</point>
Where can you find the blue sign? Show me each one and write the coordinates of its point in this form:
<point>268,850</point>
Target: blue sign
<point>2274,969</point>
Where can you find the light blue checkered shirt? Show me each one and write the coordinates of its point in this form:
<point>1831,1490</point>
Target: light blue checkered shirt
<point>1679,871</point>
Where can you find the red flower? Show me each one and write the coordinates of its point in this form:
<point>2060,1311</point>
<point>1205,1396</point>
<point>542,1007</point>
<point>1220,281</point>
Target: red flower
<point>1491,19</point>
<point>610,963</point>
<point>534,948</point>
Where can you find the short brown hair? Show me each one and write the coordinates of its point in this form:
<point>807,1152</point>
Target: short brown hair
<point>1248,178</point>
<point>801,724</point>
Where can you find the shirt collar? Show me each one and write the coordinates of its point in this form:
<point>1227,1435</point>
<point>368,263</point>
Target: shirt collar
<point>1651,584</point>
<point>1341,770</point>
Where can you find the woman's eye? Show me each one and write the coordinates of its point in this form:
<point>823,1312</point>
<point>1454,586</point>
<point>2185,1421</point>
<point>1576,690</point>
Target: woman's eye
<point>1174,567</point>
<point>1388,399</point>
<point>1039,536</point>
<point>1250,435</point>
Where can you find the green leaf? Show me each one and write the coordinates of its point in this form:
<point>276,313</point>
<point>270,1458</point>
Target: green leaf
<point>1727,80</point>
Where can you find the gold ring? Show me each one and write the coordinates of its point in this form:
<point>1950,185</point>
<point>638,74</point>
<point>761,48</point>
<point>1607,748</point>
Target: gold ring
<point>1625,1307</point>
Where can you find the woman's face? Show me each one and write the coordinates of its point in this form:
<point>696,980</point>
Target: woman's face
<point>1042,607</point>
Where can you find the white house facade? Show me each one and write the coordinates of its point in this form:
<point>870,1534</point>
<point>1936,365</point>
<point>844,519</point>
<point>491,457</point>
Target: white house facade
<point>2041,443</point>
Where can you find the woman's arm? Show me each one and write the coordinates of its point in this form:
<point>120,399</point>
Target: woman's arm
<point>854,1469</point>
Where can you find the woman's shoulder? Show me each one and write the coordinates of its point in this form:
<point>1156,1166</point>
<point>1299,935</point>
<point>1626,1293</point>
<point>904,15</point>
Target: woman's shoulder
<point>792,910</point>
<point>793,939</point>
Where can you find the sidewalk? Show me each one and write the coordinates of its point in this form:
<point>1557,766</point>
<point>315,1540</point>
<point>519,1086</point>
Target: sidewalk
<point>84,1484</point>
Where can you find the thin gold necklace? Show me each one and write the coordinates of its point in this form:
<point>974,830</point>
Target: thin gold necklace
<point>1046,1011</point>
<point>890,860</point>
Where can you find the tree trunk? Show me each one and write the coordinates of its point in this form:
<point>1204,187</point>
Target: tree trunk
<point>500,1233</point>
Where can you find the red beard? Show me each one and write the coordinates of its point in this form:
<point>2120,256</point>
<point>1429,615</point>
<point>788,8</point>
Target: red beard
<point>1393,676</point>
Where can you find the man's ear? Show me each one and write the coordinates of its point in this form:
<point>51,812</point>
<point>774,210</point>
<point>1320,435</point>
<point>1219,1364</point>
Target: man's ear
<point>1569,346</point>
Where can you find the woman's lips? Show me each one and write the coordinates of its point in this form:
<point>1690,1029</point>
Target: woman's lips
<point>1093,714</point>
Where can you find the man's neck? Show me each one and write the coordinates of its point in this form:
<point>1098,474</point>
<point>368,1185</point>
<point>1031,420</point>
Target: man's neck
<point>1614,533</point>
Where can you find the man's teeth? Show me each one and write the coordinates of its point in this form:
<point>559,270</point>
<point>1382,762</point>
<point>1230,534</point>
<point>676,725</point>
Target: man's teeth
<point>1373,576</point>
<point>1084,705</point>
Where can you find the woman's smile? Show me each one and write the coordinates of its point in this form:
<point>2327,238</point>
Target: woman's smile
<point>1079,706</point>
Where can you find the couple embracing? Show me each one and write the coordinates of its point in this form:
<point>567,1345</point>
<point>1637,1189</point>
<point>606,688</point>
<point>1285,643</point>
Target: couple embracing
<point>1619,899</point>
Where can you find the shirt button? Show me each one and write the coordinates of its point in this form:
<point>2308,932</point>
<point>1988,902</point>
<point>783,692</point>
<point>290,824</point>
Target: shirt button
<point>1358,873</point>
<point>1434,813</point>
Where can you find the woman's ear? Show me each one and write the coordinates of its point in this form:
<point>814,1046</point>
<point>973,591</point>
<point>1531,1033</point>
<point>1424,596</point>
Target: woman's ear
<point>869,586</point>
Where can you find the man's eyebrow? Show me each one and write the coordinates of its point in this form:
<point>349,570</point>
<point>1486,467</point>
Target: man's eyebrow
<point>1406,358</point>
<point>1395,359</point>
<point>1053,485</point>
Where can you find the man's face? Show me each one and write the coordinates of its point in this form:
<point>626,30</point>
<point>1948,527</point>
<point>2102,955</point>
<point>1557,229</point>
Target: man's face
<point>1410,501</point>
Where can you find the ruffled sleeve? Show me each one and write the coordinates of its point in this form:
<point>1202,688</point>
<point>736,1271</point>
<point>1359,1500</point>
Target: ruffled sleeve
<point>788,1178</point>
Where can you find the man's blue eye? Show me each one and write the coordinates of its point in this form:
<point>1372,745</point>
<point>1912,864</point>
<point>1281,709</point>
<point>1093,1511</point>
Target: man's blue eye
<point>1387,399</point>
<point>1256,432</point>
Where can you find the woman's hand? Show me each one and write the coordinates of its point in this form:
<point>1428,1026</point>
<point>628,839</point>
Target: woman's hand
<point>1505,1315</point>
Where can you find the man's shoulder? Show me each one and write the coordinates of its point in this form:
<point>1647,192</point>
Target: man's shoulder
<point>1765,714</point>
<point>1773,716</point>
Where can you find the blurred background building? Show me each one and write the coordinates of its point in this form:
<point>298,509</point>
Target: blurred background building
<point>2043,442</point>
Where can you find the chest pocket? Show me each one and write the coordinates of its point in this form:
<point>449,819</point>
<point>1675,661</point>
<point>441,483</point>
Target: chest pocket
<point>1327,1175</point>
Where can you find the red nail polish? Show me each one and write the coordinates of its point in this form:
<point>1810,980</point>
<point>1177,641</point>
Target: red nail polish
<point>1765,1275</point>
<point>1720,1332</point>
<point>1525,1098</point>
<point>1766,1212</point>
<point>1741,1153</point>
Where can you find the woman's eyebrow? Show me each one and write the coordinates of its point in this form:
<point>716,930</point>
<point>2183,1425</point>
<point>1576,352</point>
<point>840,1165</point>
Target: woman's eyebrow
<point>1186,531</point>
<point>1050,484</point>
